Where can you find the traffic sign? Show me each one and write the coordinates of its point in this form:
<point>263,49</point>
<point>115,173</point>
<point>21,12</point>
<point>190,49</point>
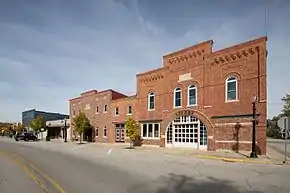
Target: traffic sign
<point>283,123</point>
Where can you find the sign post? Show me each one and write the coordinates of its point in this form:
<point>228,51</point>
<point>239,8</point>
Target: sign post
<point>284,123</point>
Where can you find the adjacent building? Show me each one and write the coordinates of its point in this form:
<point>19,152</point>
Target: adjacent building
<point>28,116</point>
<point>198,99</point>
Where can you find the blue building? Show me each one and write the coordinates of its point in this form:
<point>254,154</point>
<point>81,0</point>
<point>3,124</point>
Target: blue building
<point>28,116</point>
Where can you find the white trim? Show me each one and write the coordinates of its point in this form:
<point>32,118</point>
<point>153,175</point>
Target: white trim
<point>151,94</point>
<point>116,111</point>
<point>153,131</point>
<point>105,110</point>
<point>207,106</point>
<point>128,110</point>
<point>105,128</point>
<point>189,89</point>
<point>220,141</point>
<point>174,97</point>
<point>237,93</point>
<point>96,129</point>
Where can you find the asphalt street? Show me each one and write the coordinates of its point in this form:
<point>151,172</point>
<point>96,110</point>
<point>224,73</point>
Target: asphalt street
<point>89,169</point>
<point>13,178</point>
<point>279,145</point>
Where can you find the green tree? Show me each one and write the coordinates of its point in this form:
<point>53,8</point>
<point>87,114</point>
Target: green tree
<point>37,124</point>
<point>132,130</point>
<point>286,106</point>
<point>81,123</point>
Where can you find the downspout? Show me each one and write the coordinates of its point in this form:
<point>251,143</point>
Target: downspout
<point>259,74</point>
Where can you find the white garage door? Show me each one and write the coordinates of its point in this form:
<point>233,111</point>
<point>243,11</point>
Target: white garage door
<point>186,132</point>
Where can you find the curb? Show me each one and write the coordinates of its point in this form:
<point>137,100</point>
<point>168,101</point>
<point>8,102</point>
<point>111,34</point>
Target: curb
<point>235,160</point>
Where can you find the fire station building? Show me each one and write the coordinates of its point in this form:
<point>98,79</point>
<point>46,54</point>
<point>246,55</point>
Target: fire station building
<point>198,99</point>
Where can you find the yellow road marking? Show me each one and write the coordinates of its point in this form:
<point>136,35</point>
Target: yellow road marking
<point>18,160</point>
<point>26,170</point>
<point>233,159</point>
<point>54,183</point>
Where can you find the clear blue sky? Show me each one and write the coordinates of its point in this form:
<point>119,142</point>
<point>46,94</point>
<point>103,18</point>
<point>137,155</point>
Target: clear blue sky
<point>50,51</point>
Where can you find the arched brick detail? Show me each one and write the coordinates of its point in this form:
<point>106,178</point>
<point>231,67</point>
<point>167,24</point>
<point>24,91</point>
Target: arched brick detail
<point>201,116</point>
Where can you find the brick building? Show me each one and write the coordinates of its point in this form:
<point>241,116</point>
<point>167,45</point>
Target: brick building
<point>198,99</point>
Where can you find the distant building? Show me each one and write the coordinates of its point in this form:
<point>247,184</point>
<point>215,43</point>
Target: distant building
<point>28,116</point>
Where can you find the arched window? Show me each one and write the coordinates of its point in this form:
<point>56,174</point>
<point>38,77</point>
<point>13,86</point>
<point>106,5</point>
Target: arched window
<point>177,97</point>
<point>151,101</point>
<point>191,98</point>
<point>232,89</point>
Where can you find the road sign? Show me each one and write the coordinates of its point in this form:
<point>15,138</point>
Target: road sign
<point>282,124</point>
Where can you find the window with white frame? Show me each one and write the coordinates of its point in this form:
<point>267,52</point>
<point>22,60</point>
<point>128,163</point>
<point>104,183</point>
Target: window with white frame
<point>177,97</point>
<point>232,89</point>
<point>97,132</point>
<point>105,132</point>
<point>191,95</point>
<point>150,130</point>
<point>129,110</point>
<point>97,110</point>
<point>151,101</point>
<point>105,108</point>
<point>116,111</point>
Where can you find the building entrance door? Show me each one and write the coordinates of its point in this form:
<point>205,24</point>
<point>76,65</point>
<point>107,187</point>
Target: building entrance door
<point>120,133</point>
<point>186,132</point>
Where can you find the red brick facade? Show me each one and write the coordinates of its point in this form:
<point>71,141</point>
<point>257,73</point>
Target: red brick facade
<point>228,123</point>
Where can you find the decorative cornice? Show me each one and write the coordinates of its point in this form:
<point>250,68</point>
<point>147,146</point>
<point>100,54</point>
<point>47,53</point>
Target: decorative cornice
<point>240,55</point>
<point>185,57</point>
<point>151,78</point>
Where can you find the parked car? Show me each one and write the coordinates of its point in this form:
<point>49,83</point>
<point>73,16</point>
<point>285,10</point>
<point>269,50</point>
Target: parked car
<point>25,137</point>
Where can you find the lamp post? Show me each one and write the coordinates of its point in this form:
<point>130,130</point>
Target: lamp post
<point>64,130</point>
<point>254,152</point>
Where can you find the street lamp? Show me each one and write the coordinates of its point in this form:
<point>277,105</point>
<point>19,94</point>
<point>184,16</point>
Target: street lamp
<point>64,130</point>
<point>254,152</point>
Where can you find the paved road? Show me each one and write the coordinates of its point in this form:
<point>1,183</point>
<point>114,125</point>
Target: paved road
<point>279,145</point>
<point>14,177</point>
<point>66,168</point>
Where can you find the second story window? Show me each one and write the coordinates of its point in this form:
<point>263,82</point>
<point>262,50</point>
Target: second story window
<point>129,110</point>
<point>191,95</point>
<point>231,89</point>
<point>105,108</point>
<point>151,101</point>
<point>97,109</point>
<point>177,97</point>
<point>116,111</point>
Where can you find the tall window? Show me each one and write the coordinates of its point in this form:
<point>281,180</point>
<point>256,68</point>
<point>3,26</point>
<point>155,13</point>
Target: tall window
<point>97,131</point>
<point>97,110</point>
<point>105,132</point>
<point>105,108</point>
<point>231,89</point>
<point>192,95</point>
<point>116,111</point>
<point>129,111</point>
<point>151,101</point>
<point>177,97</point>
